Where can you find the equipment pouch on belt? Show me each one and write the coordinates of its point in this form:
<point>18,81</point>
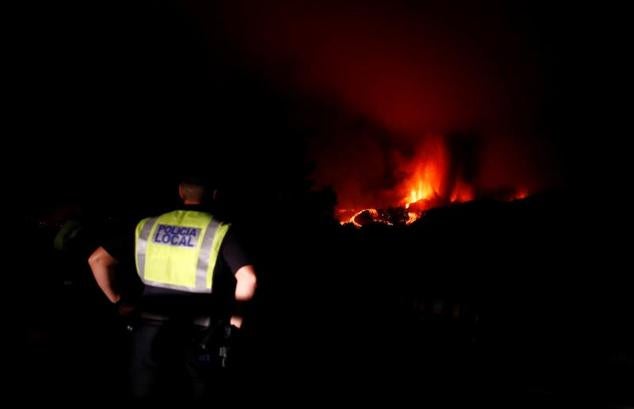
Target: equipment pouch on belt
<point>214,347</point>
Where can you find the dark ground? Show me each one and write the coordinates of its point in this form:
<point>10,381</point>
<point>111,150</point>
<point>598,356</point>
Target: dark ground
<point>481,303</point>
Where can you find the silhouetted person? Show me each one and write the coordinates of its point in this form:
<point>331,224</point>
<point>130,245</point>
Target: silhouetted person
<point>197,279</point>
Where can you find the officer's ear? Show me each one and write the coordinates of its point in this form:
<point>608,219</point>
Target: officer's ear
<point>181,191</point>
<point>209,195</point>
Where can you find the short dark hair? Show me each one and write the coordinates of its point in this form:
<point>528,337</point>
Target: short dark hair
<point>195,180</point>
<point>196,186</point>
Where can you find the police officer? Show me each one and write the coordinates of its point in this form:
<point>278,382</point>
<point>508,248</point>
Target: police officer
<point>196,277</point>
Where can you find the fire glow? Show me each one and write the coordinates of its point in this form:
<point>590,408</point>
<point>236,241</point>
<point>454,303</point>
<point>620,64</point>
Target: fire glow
<point>431,180</point>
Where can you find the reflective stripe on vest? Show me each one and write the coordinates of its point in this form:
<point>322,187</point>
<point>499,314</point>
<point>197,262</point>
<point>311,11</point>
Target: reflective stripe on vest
<point>179,250</point>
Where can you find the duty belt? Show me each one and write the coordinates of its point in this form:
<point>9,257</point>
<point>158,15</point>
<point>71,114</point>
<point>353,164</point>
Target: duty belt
<point>202,321</point>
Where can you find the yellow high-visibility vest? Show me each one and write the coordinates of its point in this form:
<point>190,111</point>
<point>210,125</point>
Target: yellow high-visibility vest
<point>178,250</point>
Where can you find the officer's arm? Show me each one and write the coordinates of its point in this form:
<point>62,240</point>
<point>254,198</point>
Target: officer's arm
<point>103,265</point>
<point>246,282</point>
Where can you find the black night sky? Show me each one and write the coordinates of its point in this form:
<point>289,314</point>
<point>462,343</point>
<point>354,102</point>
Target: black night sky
<point>341,88</point>
<point>295,110</point>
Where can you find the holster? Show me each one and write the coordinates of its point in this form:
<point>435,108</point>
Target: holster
<point>215,346</point>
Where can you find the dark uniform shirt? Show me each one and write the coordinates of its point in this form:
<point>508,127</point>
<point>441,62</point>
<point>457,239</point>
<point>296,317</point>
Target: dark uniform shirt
<point>164,301</point>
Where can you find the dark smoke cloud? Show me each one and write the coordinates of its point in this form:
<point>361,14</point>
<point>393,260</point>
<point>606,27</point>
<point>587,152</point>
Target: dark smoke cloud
<point>411,70</point>
<point>406,70</point>
<point>373,79</point>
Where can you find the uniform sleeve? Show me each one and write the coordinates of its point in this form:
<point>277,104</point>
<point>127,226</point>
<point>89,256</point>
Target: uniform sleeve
<point>233,253</point>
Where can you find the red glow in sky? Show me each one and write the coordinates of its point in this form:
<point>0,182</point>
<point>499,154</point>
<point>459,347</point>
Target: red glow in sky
<point>409,71</point>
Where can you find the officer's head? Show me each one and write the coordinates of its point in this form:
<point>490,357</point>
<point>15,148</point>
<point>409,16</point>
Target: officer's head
<point>194,190</point>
